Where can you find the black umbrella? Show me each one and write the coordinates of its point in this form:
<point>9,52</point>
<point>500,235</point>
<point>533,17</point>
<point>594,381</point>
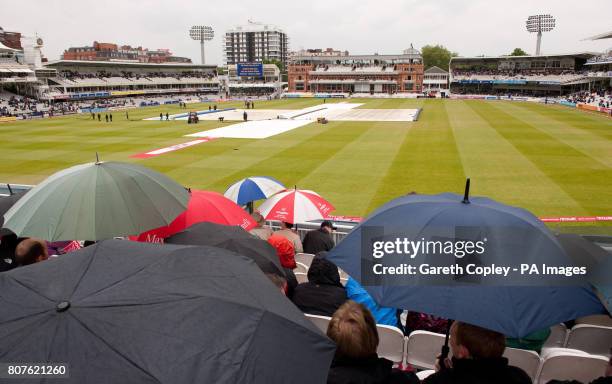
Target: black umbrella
<point>232,238</point>
<point>215,233</point>
<point>128,312</point>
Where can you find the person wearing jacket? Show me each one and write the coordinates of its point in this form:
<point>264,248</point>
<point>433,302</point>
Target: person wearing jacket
<point>319,240</point>
<point>382,315</point>
<point>322,294</point>
<point>286,255</point>
<point>353,330</point>
<point>477,359</point>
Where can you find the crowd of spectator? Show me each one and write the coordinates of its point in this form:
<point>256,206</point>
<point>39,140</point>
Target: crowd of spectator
<point>516,74</point>
<point>477,353</point>
<point>599,98</point>
<point>74,75</point>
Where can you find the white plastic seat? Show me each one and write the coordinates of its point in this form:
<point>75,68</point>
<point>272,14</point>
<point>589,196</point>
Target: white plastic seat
<point>593,339</point>
<point>301,277</point>
<point>528,361</point>
<point>601,320</point>
<point>570,364</point>
<point>304,258</point>
<point>300,268</point>
<point>422,348</point>
<point>320,322</point>
<point>557,337</point>
<point>425,374</point>
<point>390,343</point>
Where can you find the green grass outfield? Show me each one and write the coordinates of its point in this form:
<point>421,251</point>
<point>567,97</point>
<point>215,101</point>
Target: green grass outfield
<point>551,160</point>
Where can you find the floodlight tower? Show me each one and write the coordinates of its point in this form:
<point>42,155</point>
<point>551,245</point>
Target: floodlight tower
<point>202,33</point>
<point>539,24</point>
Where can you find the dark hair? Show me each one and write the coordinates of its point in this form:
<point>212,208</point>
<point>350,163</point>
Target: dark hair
<point>28,250</point>
<point>288,225</point>
<point>480,342</point>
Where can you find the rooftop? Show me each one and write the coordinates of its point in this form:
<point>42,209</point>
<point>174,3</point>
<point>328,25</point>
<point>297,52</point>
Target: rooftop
<point>584,55</point>
<point>126,64</point>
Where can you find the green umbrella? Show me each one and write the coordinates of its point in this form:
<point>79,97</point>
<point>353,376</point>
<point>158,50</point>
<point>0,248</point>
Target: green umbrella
<point>97,201</point>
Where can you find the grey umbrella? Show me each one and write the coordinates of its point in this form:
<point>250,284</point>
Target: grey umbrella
<point>97,201</point>
<point>128,312</point>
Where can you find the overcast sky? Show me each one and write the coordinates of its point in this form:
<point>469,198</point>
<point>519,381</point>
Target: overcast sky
<point>469,27</point>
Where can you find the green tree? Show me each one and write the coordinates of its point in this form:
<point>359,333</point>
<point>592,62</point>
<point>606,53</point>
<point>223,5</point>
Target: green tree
<point>518,52</point>
<point>437,56</point>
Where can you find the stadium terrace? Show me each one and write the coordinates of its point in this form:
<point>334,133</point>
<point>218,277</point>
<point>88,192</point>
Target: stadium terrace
<point>306,217</point>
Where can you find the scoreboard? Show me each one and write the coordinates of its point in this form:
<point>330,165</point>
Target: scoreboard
<point>249,69</point>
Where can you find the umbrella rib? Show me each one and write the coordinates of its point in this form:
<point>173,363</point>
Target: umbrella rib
<point>113,349</point>
<point>142,193</point>
<point>90,262</point>
<point>74,189</point>
<point>25,316</point>
<point>129,211</point>
<point>170,193</point>
<point>117,282</point>
<point>29,288</point>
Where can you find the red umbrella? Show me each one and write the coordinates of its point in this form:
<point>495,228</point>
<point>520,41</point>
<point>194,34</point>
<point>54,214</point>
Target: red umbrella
<point>207,206</point>
<point>295,205</point>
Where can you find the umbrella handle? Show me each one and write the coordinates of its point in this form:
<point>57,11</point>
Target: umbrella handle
<point>466,195</point>
<point>445,348</point>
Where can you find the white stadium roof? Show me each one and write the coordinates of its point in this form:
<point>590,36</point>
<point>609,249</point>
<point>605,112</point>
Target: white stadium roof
<point>4,48</point>
<point>607,35</point>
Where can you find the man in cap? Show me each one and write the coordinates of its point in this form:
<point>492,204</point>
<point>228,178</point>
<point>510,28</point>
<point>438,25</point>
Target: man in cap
<point>319,240</point>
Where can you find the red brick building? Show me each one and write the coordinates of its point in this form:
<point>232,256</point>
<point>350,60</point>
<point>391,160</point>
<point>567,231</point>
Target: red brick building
<point>10,39</point>
<point>109,51</point>
<point>357,73</point>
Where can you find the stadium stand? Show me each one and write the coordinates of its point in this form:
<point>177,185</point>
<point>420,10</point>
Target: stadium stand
<point>357,74</point>
<point>90,79</point>
<point>550,75</point>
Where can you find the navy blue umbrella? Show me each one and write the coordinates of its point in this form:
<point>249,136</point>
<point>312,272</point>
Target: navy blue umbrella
<point>514,305</point>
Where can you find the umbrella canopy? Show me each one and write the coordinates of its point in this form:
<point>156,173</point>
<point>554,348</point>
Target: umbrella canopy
<point>6,202</point>
<point>511,233</point>
<point>204,206</point>
<point>295,205</point>
<point>233,239</point>
<point>583,251</point>
<point>97,201</point>
<point>122,311</point>
<point>253,188</point>
<point>596,259</point>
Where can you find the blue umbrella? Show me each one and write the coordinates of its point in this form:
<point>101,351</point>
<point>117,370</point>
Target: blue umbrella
<point>253,188</point>
<point>586,251</point>
<point>514,307</point>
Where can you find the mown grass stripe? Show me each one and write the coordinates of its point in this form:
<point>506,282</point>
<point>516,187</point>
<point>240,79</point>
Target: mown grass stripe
<point>583,140</point>
<point>499,171</point>
<point>359,166</point>
<point>427,161</point>
<point>582,178</point>
<point>593,123</point>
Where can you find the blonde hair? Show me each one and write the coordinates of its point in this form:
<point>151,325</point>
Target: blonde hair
<point>354,330</point>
